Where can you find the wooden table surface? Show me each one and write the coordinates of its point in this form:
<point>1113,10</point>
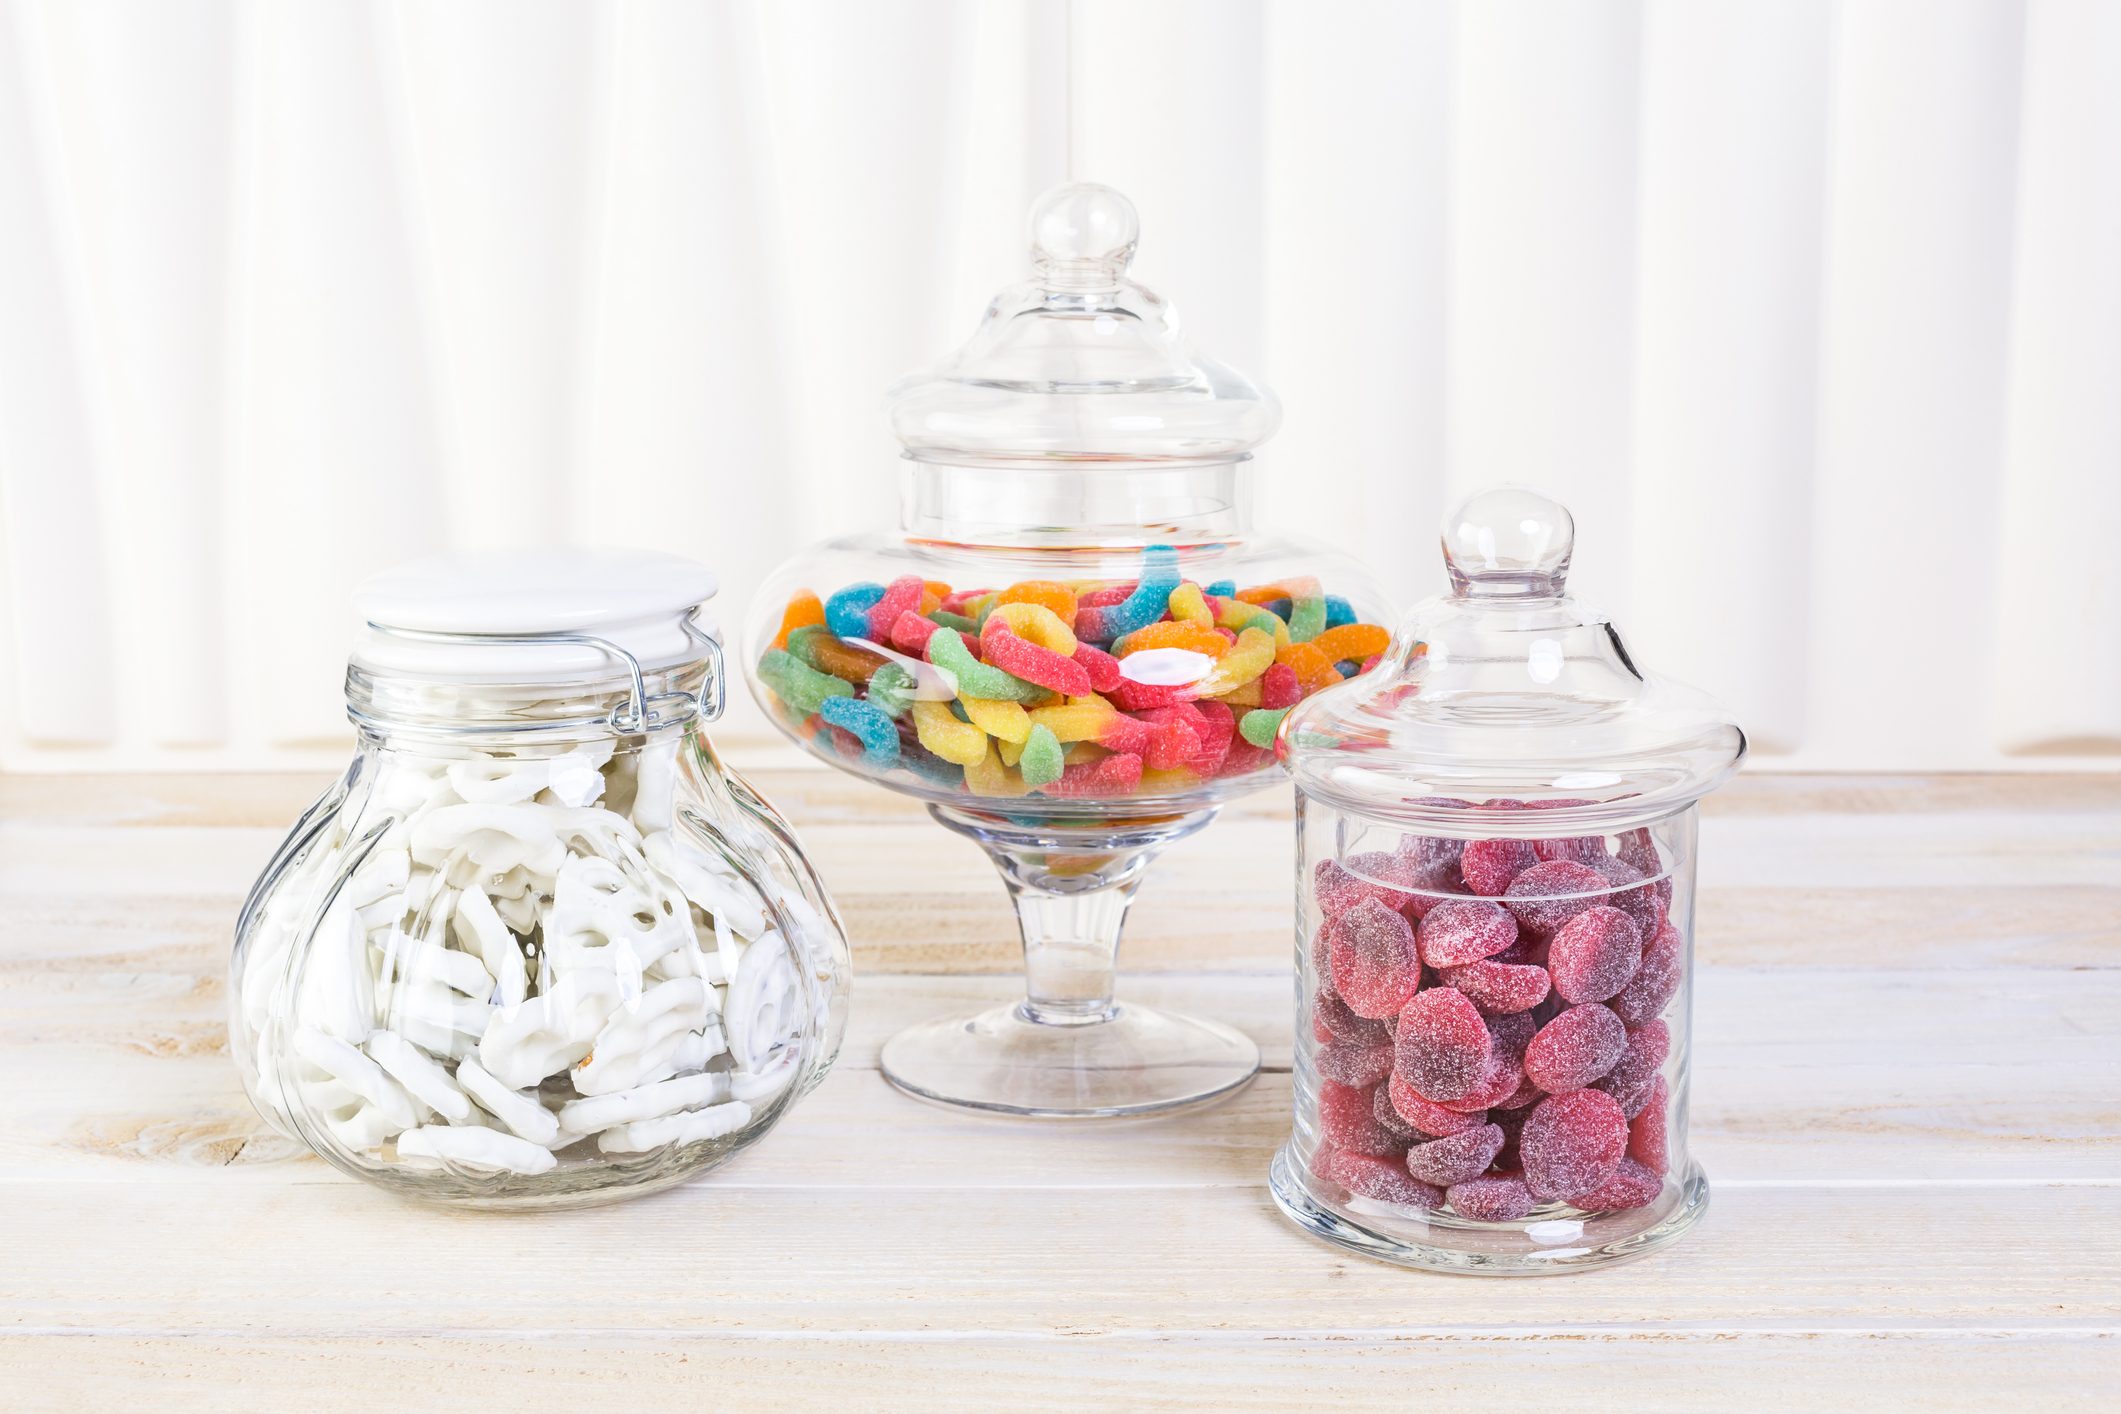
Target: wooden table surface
<point>1907,1097</point>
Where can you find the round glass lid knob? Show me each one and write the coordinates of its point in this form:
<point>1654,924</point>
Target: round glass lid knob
<point>1509,542</point>
<point>1083,236</point>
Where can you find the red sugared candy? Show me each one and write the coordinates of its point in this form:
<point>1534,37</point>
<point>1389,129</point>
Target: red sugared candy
<point>1583,848</point>
<point>1631,1077</point>
<point>1347,1121</point>
<point>1395,1124</point>
<point>1643,904</point>
<point>1572,1144</point>
<point>1594,954</point>
<point>1425,1114</point>
<point>1444,1162</point>
<point>1488,866</point>
<point>1443,1045</point>
<point>1460,931</point>
<point>1646,1131</point>
<point>1343,1024</point>
<point>1375,969</point>
<point>1504,1075</point>
<point>1640,851</point>
<point>1574,1048</point>
<point>1499,988</point>
<point>1494,1198</point>
<point>1360,1066</point>
<point>1656,982</point>
<point>1379,1180</point>
<point>1550,893</point>
<point>1631,1186</point>
<point>1339,888</point>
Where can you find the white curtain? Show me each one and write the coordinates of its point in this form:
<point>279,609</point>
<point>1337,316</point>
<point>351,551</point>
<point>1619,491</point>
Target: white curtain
<point>1810,310</point>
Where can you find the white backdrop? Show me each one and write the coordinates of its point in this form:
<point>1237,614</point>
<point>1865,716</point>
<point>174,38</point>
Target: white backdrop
<point>1812,312</point>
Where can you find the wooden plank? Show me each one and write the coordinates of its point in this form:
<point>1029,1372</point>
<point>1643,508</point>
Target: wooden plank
<point>1619,1370</point>
<point>322,1257</point>
<point>1982,1078</point>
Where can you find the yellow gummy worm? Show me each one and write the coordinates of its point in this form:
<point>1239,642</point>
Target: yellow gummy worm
<point>1246,695</point>
<point>1079,719</point>
<point>1190,606</point>
<point>1011,752</point>
<point>959,743</point>
<point>990,777</point>
<point>1250,656</point>
<point>1005,721</point>
<point>1238,615</point>
<point>1035,623</point>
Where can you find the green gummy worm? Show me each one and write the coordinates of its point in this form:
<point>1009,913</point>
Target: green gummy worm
<point>974,678</point>
<point>1259,725</point>
<point>801,688</point>
<point>1041,762</point>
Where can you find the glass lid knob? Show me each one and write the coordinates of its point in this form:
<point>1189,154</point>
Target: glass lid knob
<point>1083,236</point>
<point>1509,542</point>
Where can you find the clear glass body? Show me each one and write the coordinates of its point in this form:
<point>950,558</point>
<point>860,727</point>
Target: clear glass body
<point>1491,1061</point>
<point>515,959</point>
<point>1011,584</point>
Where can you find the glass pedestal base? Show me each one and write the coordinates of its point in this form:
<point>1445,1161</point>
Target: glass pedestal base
<point>1543,1244</point>
<point>1133,1060</point>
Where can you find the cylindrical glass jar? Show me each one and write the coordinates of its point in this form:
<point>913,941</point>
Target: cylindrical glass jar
<point>1495,923</point>
<point>1074,650</point>
<point>538,946</point>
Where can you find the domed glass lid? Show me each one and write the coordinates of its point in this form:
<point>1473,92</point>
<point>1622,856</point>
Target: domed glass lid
<point>1080,363</point>
<point>1507,688</point>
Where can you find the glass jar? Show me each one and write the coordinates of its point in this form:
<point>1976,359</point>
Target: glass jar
<point>1074,650</point>
<point>538,947</point>
<point>1495,926</point>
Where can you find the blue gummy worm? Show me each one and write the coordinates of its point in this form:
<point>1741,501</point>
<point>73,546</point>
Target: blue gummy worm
<point>1151,596</point>
<point>847,612</point>
<point>1227,589</point>
<point>1338,611</point>
<point>876,731</point>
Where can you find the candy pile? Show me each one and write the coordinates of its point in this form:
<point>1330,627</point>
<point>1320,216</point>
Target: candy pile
<point>1487,1020</point>
<point>1061,689</point>
<point>525,955</point>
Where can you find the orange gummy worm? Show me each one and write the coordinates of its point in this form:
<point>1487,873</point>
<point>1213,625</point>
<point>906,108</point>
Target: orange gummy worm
<point>804,609</point>
<point>1357,641</point>
<point>1046,593</point>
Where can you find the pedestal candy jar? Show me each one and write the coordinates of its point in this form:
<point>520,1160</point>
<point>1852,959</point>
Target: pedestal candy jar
<point>538,947</point>
<point>1495,926</point>
<point>1074,649</point>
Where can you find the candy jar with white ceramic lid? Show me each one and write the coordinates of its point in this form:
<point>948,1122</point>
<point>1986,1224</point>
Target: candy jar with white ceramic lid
<point>1074,649</point>
<point>538,946</point>
<point>1495,925</point>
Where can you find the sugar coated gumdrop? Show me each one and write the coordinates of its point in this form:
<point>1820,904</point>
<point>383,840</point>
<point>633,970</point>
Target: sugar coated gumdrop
<point>1584,848</point>
<point>1347,1120</point>
<point>1443,1045</point>
<point>1572,1143</point>
<point>1646,1131</point>
<point>1459,931</point>
<point>1488,866</point>
<point>1640,851</point>
<point>1388,1115</point>
<point>1656,982</point>
<point>1631,1186</point>
<point>1379,1180</point>
<point>1631,1077</point>
<point>1344,1025</point>
<point>1512,1033</point>
<point>1641,903</point>
<point>1549,894</point>
<point>1425,1114</point>
<point>1359,1066</point>
<point>1575,1048</point>
<point>1504,1074</point>
<point>1594,954</point>
<point>1374,965</point>
<point>1499,988</point>
<point>1494,1198</point>
<point>1455,1159</point>
<point>1339,889</point>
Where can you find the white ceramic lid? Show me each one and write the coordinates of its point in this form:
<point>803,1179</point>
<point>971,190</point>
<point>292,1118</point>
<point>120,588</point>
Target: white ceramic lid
<point>638,600</point>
